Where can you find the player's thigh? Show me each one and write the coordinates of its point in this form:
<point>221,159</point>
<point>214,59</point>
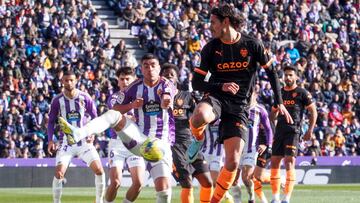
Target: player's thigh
<point>89,154</point>
<point>233,148</point>
<point>137,175</point>
<point>115,174</point>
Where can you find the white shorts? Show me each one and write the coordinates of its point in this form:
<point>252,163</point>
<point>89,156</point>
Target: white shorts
<point>249,158</point>
<point>86,152</point>
<point>162,168</point>
<point>119,156</point>
<point>215,162</point>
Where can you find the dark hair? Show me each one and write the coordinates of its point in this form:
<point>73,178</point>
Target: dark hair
<point>126,70</point>
<point>69,72</point>
<point>290,67</point>
<point>149,56</point>
<point>167,66</point>
<point>227,11</point>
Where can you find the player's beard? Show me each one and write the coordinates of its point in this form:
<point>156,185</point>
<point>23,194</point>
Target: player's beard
<point>289,83</point>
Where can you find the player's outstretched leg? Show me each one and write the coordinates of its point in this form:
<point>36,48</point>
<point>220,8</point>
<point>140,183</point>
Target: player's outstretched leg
<point>98,125</point>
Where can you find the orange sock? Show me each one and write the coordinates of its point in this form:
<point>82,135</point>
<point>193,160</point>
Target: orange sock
<point>187,195</point>
<point>290,182</point>
<point>258,189</point>
<point>275,181</point>
<point>205,194</point>
<point>198,132</point>
<point>223,183</point>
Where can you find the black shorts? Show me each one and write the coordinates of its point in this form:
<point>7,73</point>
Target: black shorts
<point>182,170</point>
<point>285,142</point>
<point>234,118</point>
<point>263,159</point>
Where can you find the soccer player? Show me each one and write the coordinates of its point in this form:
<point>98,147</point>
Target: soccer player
<point>119,154</point>
<point>231,57</point>
<point>183,172</point>
<point>151,98</point>
<point>296,100</point>
<point>73,105</point>
<point>255,155</point>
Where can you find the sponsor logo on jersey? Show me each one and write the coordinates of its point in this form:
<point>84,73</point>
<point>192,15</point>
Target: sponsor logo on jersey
<point>289,102</point>
<point>232,66</point>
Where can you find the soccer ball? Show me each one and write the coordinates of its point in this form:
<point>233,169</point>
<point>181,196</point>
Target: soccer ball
<point>151,149</point>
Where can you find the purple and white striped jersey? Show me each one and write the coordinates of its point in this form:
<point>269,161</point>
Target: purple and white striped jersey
<point>75,111</point>
<point>116,98</point>
<point>210,145</point>
<point>258,116</point>
<point>151,118</point>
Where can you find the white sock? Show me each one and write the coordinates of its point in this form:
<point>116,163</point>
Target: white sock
<point>250,190</point>
<point>286,198</point>
<point>126,201</point>
<point>107,201</point>
<point>100,187</point>
<point>132,137</point>
<point>236,193</point>
<point>276,197</point>
<point>97,125</point>
<point>163,196</point>
<point>57,189</point>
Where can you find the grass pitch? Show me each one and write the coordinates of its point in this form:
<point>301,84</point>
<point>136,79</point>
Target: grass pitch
<point>302,194</point>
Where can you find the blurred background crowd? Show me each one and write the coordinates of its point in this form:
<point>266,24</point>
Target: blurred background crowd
<point>41,38</point>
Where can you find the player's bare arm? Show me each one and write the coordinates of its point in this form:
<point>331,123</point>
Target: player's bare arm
<point>273,115</point>
<point>52,147</point>
<point>123,108</point>
<point>312,120</point>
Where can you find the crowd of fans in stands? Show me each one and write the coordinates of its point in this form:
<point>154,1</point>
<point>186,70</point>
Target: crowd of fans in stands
<point>40,38</point>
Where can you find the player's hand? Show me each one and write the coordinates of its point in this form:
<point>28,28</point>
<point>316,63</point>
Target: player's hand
<point>231,87</point>
<point>261,149</point>
<point>51,147</point>
<point>138,103</point>
<point>165,101</point>
<point>308,135</point>
<point>283,111</point>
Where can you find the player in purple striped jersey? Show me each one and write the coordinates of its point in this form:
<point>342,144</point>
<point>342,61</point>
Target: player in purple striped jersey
<point>119,154</point>
<point>251,165</point>
<point>151,98</point>
<point>73,105</point>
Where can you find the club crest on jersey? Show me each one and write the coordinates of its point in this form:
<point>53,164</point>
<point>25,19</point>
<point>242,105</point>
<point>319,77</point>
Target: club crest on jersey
<point>159,91</point>
<point>294,94</point>
<point>179,102</point>
<point>244,52</point>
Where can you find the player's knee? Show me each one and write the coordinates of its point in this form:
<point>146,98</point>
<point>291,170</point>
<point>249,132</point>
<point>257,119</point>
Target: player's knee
<point>201,116</point>
<point>186,183</point>
<point>99,171</point>
<point>164,195</point>
<point>246,179</point>
<point>137,185</point>
<point>59,175</point>
<point>115,183</point>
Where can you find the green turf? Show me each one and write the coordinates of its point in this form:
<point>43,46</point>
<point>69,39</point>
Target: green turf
<point>302,194</point>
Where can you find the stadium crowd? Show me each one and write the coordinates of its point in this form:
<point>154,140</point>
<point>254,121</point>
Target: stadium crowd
<point>40,38</point>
